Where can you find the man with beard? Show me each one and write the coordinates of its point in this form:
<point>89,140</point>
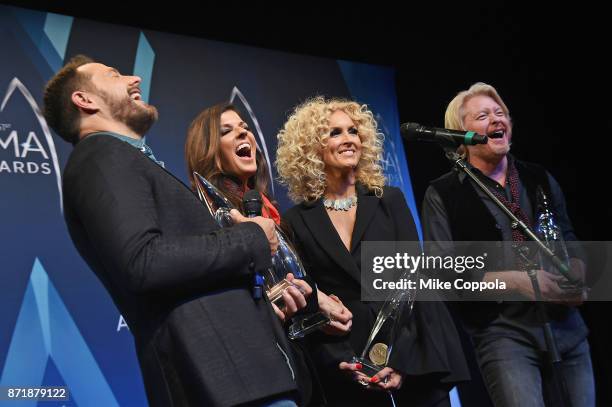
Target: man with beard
<point>183,285</point>
<point>508,337</point>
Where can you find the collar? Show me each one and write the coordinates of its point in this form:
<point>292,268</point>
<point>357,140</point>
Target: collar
<point>462,175</point>
<point>140,144</point>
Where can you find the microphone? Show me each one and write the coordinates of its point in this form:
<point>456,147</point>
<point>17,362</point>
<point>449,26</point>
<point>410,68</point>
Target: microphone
<point>415,131</point>
<point>252,203</point>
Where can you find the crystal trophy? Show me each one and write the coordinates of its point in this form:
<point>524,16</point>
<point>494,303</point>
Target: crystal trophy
<point>284,261</point>
<point>379,345</point>
<point>550,233</point>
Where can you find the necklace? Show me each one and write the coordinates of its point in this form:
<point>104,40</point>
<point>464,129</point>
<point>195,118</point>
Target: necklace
<point>342,204</point>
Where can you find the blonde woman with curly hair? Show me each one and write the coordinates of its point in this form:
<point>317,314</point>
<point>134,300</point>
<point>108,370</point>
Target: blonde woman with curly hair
<point>329,157</point>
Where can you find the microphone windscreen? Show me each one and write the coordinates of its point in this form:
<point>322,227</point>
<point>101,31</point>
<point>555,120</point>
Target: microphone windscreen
<point>252,203</point>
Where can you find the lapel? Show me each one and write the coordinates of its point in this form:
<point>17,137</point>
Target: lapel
<point>323,231</point>
<point>177,179</point>
<point>366,208</point>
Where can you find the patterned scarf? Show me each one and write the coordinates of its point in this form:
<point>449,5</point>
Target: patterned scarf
<point>513,179</point>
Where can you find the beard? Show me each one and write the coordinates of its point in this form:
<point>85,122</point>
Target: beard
<point>138,117</point>
<point>490,152</point>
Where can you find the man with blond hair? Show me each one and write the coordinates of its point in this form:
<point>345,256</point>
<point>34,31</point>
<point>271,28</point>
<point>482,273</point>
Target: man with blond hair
<point>508,337</point>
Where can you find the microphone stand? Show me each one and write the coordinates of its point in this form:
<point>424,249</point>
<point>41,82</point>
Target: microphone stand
<point>554,358</point>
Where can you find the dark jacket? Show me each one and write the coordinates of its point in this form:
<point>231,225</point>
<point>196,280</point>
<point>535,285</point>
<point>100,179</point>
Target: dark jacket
<point>427,349</point>
<point>182,284</point>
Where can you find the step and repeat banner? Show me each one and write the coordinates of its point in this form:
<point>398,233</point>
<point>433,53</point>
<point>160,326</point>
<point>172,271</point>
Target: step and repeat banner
<point>59,327</point>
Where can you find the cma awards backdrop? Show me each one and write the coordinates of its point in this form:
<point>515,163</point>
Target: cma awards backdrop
<point>58,326</point>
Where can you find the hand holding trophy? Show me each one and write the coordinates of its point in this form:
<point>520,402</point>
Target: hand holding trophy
<point>379,345</point>
<point>284,260</point>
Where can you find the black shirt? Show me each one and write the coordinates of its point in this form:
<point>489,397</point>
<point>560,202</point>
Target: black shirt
<point>570,329</point>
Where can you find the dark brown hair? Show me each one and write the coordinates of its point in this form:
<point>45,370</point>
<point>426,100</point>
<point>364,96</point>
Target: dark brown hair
<point>59,111</point>
<point>203,153</point>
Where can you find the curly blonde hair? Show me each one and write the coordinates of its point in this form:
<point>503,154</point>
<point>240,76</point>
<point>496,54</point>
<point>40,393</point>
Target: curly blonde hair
<point>299,156</point>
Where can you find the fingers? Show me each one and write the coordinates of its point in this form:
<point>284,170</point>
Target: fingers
<point>349,325</point>
<point>354,370</point>
<point>280,314</point>
<point>550,289</point>
<point>343,316</point>
<point>303,285</point>
<point>335,298</point>
<point>393,382</point>
<point>269,228</point>
<point>290,307</point>
<point>342,327</point>
<point>549,286</point>
<point>577,269</point>
<point>387,379</point>
<point>237,216</point>
<point>341,313</point>
<point>336,328</point>
<point>384,372</point>
<point>551,276</point>
<point>340,316</point>
<point>361,378</point>
<point>267,225</point>
<point>298,296</point>
<point>330,304</point>
<point>355,367</point>
<point>294,301</point>
<point>273,239</point>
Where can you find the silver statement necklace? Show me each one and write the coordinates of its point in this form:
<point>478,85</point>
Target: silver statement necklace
<point>342,204</point>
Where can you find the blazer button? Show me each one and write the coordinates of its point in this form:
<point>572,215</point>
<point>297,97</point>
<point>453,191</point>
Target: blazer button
<point>251,266</point>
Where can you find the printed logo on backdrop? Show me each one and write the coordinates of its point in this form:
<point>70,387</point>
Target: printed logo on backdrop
<point>261,142</point>
<point>26,149</point>
<point>390,161</point>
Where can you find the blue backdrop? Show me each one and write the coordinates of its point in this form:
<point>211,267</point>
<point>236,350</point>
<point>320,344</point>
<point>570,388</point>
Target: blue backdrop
<point>59,326</point>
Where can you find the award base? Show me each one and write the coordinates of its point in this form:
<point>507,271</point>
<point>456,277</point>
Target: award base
<point>368,368</point>
<point>304,324</point>
<point>301,325</point>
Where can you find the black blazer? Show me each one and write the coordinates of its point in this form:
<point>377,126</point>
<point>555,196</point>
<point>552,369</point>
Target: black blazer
<point>427,349</point>
<point>182,284</point>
